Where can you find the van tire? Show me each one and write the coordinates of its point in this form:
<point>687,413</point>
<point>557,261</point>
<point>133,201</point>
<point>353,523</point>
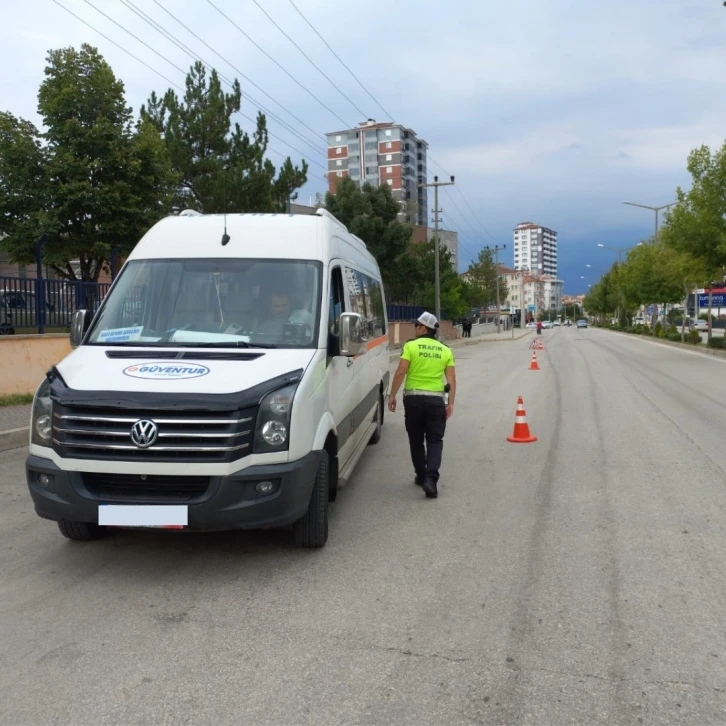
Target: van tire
<point>311,530</point>
<point>376,437</point>
<point>79,531</point>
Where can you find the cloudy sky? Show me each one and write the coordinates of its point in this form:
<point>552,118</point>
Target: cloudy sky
<point>553,112</point>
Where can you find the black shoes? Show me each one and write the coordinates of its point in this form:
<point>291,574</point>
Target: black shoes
<point>430,489</point>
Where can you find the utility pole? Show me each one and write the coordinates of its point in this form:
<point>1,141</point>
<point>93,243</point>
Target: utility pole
<point>290,200</point>
<point>437,276</point>
<point>496,251</point>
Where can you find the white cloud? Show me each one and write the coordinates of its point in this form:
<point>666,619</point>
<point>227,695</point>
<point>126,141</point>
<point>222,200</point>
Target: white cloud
<point>551,110</point>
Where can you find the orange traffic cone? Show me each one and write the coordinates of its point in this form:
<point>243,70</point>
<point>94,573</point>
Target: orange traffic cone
<point>540,345</point>
<point>521,433</point>
<point>534,366</point>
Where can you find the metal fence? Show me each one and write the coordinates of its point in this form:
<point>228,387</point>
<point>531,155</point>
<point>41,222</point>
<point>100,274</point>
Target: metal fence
<point>407,313</point>
<point>29,305</point>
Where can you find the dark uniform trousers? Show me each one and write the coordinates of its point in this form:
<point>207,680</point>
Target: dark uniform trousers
<point>425,425</point>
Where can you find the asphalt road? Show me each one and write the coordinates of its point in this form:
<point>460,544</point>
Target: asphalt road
<point>580,579</point>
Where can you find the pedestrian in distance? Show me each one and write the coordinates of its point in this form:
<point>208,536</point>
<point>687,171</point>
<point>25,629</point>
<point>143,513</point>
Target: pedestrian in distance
<point>428,402</point>
<point>539,327</point>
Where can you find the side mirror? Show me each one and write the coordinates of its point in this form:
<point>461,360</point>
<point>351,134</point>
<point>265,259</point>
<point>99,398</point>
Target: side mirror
<point>352,342</point>
<point>80,321</point>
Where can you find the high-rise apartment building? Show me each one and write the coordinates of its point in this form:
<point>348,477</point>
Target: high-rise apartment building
<point>382,153</point>
<point>535,249</point>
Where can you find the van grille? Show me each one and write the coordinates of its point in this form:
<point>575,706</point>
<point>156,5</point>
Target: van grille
<point>130,487</point>
<point>183,436</point>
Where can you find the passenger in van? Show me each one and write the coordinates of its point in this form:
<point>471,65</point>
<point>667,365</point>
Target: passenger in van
<point>279,313</point>
<point>425,362</point>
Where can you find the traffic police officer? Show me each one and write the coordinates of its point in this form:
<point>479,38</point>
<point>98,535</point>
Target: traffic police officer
<point>424,363</point>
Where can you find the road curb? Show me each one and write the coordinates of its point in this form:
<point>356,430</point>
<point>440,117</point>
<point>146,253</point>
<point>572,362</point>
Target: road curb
<point>720,354</point>
<point>461,343</point>
<point>14,439</point>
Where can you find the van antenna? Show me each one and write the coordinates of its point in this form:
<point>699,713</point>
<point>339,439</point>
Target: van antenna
<point>225,237</point>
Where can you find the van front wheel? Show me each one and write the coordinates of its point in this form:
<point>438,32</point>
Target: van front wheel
<point>79,531</point>
<point>311,530</point>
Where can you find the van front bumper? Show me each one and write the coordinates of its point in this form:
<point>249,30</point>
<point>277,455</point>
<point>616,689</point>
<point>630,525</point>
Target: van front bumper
<point>229,502</point>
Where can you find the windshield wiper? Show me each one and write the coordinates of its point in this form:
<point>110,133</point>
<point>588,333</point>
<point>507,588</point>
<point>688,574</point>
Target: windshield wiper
<point>185,344</point>
<point>221,344</point>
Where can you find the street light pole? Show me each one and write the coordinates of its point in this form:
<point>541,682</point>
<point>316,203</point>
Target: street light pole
<point>496,250</point>
<point>437,276</point>
<point>652,209</point>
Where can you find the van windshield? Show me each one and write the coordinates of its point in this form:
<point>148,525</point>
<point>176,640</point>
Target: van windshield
<point>212,303</point>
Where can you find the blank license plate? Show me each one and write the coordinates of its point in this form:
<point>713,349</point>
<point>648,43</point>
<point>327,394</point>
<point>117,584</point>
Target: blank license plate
<point>143,515</point>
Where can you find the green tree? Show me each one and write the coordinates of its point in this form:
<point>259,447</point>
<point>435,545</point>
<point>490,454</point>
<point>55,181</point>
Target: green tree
<point>482,281</point>
<point>603,298</point>
<point>371,213</point>
<point>22,182</point>
<point>454,301</point>
<point>220,166</point>
<point>697,224</point>
<point>655,273</point>
<point>92,181</point>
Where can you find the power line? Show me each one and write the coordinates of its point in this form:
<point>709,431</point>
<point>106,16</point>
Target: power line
<point>136,58</point>
<point>312,63</point>
<point>161,75</point>
<point>389,115</point>
<point>136,37</point>
<point>340,60</point>
<point>239,73</point>
<point>161,29</point>
<point>456,206</point>
<point>473,214</point>
<point>276,62</point>
<point>195,56</point>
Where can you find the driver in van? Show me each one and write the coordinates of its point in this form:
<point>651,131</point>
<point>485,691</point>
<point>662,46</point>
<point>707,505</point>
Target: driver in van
<point>280,313</point>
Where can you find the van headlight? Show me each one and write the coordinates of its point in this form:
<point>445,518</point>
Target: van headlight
<point>272,432</point>
<point>41,423</point>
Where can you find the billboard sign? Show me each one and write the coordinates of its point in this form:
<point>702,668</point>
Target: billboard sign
<point>718,300</point>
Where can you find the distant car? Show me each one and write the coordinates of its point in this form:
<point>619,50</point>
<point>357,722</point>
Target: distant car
<point>582,323</point>
<point>701,326</point>
<point>546,324</point>
<point>556,324</point>
<point>531,324</point>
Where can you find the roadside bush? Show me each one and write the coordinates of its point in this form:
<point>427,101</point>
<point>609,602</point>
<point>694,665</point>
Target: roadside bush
<point>659,332</point>
<point>631,330</point>
<point>672,329</point>
<point>674,337</point>
<point>717,343</point>
<point>694,337</point>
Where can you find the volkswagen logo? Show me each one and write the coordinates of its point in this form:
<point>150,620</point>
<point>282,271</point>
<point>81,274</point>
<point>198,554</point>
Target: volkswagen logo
<point>144,433</point>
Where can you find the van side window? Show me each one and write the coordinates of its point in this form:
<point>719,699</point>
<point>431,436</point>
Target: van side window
<point>336,307</point>
<point>366,299</point>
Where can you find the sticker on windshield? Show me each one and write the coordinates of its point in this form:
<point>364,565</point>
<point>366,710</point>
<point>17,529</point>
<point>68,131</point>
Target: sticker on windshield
<point>119,335</point>
<point>165,371</point>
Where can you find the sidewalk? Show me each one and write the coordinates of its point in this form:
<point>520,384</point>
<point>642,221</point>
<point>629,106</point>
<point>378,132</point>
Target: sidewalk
<point>14,420</point>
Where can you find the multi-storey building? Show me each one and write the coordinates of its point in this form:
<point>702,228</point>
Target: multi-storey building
<point>382,153</point>
<point>535,249</point>
<point>552,292</point>
<point>526,292</point>
<point>448,240</point>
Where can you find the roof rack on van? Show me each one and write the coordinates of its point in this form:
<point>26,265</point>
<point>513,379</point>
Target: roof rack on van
<point>325,213</point>
<point>190,213</point>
